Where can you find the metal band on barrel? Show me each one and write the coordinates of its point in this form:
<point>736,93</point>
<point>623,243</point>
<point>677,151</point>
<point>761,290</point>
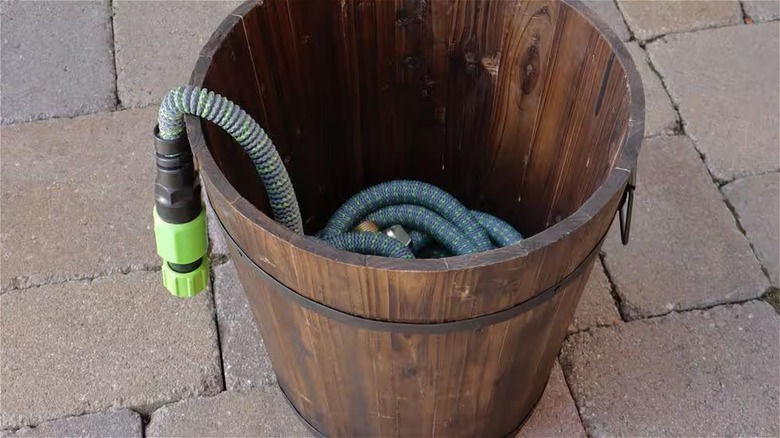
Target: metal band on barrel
<point>468,324</point>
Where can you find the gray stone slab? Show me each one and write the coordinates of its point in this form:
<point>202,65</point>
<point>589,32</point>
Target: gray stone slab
<point>650,19</point>
<point>660,116</point>
<point>117,341</point>
<point>685,250</point>
<point>699,373</point>
<point>122,423</point>
<point>762,10</point>
<point>260,412</point>
<point>244,358</point>
<point>756,201</point>
<point>57,59</point>
<point>556,414</point>
<point>724,82</point>
<point>596,307</point>
<point>609,13</point>
<point>78,191</point>
<point>158,42</point>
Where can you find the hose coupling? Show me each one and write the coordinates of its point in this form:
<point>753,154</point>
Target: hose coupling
<point>179,219</point>
<point>398,233</point>
<point>367,227</point>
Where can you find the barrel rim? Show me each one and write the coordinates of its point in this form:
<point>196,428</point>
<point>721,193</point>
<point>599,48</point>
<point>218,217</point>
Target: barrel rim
<point>616,180</point>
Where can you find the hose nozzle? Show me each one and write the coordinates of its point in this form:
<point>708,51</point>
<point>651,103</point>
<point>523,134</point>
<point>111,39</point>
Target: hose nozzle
<point>179,219</point>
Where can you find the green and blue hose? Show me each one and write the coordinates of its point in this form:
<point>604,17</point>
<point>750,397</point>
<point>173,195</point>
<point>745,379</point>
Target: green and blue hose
<point>429,213</point>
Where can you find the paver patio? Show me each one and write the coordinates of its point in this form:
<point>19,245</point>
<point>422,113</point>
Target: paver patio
<point>673,335</point>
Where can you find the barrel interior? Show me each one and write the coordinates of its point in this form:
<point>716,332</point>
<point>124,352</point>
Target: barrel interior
<point>518,108</point>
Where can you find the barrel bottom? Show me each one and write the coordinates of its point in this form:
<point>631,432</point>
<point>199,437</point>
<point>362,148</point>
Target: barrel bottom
<point>318,434</point>
<point>344,380</point>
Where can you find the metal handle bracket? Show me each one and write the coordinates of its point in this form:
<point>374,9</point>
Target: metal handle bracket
<point>628,202</point>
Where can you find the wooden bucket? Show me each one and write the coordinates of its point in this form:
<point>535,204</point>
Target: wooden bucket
<point>530,110</point>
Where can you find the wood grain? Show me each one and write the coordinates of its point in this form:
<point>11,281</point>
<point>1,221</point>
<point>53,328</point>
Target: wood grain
<point>531,110</point>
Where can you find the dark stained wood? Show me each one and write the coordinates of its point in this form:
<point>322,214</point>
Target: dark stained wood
<point>531,110</point>
<point>237,82</point>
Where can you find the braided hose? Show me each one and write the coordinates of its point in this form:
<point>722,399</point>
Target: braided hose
<point>247,132</point>
<point>429,212</point>
<point>499,231</point>
<point>371,243</point>
<point>425,221</point>
<point>408,192</point>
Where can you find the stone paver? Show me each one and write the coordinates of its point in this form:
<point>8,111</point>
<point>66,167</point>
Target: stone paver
<point>762,10</point>
<point>57,59</point>
<point>596,307</point>
<point>724,82</point>
<point>123,423</point>
<point>608,11</point>
<point>756,201</point>
<point>244,358</point>
<point>556,414</point>
<point>650,19</point>
<point>259,412</point>
<point>158,42</point>
<point>699,373</point>
<point>77,197</point>
<point>117,341</point>
<point>685,250</point>
<point>660,116</point>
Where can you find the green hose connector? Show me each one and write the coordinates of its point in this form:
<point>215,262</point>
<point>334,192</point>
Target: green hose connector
<point>183,249</point>
<point>186,284</point>
<point>179,218</point>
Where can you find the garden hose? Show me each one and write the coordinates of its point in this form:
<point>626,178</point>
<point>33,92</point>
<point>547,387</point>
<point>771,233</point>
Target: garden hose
<point>419,211</point>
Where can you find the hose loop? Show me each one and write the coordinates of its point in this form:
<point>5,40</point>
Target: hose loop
<point>429,213</point>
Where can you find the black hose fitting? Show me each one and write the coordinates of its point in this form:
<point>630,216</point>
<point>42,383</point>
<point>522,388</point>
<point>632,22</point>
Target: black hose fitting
<point>176,188</point>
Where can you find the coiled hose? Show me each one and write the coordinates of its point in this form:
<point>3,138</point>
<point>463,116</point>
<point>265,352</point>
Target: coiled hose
<point>429,213</point>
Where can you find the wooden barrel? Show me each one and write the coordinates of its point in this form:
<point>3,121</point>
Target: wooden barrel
<point>530,110</point>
